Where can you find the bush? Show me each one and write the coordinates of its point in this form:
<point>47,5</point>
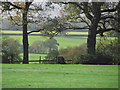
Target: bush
<point>106,53</point>
<point>109,50</point>
<point>10,50</point>
<point>73,53</point>
<point>43,46</point>
<point>38,47</point>
<point>52,55</point>
<point>99,58</point>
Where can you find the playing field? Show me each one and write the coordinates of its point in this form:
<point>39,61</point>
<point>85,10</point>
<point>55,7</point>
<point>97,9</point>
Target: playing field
<point>59,76</point>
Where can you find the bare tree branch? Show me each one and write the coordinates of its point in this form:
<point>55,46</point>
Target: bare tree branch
<point>15,6</point>
<point>86,11</point>
<point>106,17</point>
<point>108,10</point>
<point>85,21</point>
<point>78,28</point>
<point>35,31</point>
<point>104,30</point>
<point>14,20</point>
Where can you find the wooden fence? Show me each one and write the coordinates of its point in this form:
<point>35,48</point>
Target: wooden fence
<point>50,61</point>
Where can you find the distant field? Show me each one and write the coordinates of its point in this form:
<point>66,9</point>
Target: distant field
<point>20,32</point>
<point>64,41</point>
<point>35,56</point>
<point>59,76</point>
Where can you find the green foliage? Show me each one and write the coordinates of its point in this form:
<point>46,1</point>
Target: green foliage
<point>109,48</point>
<point>73,53</point>
<point>106,53</point>
<point>10,50</point>
<point>71,12</point>
<point>52,55</point>
<point>38,47</point>
<point>99,58</point>
<point>111,33</point>
<point>52,26</point>
<point>44,46</point>
<point>51,44</point>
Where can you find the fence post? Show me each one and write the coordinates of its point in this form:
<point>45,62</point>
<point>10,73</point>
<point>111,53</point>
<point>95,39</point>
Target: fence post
<point>40,60</point>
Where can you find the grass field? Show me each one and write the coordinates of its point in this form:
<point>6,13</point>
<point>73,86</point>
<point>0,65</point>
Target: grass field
<point>63,41</point>
<point>59,76</point>
<point>34,56</point>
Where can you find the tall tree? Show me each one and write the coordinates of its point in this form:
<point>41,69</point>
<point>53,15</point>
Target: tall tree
<point>97,16</point>
<point>24,9</point>
<point>91,11</point>
<point>25,35</point>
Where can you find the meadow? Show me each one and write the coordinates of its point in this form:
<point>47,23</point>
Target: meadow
<point>59,76</point>
<point>63,40</point>
<point>56,75</point>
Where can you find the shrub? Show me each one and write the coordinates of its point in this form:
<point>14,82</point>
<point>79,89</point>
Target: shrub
<point>38,47</point>
<point>10,50</point>
<point>73,53</point>
<point>106,53</point>
<point>52,55</point>
<point>99,58</point>
<point>109,49</point>
<point>43,46</point>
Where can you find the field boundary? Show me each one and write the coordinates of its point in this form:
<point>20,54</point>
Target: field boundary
<point>49,61</point>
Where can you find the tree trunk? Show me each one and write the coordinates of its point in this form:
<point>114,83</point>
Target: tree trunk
<point>91,40</point>
<point>118,16</point>
<point>25,37</point>
<point>118,30</point>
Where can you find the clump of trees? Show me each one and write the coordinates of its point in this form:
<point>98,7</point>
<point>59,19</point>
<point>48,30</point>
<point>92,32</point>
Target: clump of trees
<point>73,53</point>
<point>38,47</point>
<point>44,46</point>
<point>106,53</point>
<point>11,50</point>
<point>108,49</point>
<point>52,55</point>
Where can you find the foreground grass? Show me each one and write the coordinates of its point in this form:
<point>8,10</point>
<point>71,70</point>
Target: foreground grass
<point>59,76</point>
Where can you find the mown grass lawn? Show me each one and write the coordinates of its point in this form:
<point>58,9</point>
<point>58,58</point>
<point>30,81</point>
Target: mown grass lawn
<point>59,76</point>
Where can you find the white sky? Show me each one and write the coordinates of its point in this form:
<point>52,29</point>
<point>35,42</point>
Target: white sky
<point>63,0</point>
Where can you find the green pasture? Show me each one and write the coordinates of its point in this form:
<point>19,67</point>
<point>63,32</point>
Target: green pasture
<point>64,41</point>
<point>59,76</point>
<point>35,56</point>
